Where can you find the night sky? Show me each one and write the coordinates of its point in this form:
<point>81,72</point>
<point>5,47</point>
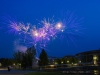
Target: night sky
<point>31,10</point>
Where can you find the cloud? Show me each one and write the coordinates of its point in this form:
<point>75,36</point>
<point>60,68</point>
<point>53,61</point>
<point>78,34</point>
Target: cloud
<point>18,46</point>
<point>21,48</point>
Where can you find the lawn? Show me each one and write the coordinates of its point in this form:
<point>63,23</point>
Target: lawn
<point>45,73</point>
<point>48,73</point>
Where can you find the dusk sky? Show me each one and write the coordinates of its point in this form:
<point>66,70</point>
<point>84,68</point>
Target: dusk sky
<point>33,10</point>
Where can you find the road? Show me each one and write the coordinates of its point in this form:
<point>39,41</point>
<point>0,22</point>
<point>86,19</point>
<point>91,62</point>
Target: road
<point>13,72</point>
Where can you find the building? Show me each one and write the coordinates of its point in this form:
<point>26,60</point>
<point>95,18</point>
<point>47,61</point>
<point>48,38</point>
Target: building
<point>84,62</point>
<point>69,59</point>
<point>89,58</point>
<point>52,60</point>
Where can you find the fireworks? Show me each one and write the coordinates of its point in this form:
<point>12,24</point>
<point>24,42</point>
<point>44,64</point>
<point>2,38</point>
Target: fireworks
<point>49,30</point>
<point>58,26</point>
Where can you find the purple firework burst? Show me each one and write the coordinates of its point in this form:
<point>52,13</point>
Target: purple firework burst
<point>49,29</point>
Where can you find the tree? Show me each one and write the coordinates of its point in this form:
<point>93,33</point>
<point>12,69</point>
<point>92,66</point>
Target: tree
<point>58,60</point>
<point>43,58</point>
<point>25,59</point>
<point>6,62</point>
<point>72,60</point>
<point>64,60</point>
<point>18,57</point>
<point>28,57</point>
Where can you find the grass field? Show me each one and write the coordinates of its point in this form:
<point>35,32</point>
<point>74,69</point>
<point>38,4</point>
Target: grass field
<point>51,73</point>
<point>45,73</point>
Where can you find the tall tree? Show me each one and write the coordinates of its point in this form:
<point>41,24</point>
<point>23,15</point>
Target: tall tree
<point>25,59</point>
<point>28,57</point>
<point>43,58</point>
<point>18,57</point>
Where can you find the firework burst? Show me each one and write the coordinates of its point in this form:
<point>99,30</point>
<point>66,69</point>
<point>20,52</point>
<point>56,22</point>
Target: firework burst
<point>48,30</point>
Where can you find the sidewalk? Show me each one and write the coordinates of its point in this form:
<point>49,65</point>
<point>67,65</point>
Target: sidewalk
<point>14,72</point>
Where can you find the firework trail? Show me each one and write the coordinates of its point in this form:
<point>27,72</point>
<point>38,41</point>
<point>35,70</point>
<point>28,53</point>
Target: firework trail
<point>48,30</point>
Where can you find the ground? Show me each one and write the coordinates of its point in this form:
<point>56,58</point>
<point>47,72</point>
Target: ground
<point>51,73</point>
<point>13,72</point>
<point>45,73</point>
<point>26,72</point>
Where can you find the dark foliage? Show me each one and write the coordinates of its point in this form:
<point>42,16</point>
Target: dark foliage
<point>25,58</point>
<point>43,58</point>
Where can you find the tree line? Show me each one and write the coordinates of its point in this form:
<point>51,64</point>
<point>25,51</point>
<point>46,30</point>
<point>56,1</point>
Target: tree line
<point>25,59</point>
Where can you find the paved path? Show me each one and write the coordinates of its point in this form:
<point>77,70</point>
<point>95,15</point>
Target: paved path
<point>14,72</point>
